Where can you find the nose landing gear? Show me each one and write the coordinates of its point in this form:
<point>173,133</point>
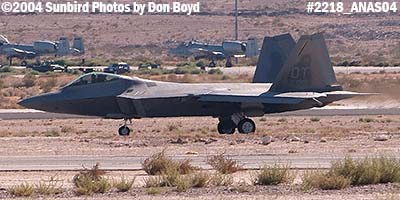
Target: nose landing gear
<point>125,130</point>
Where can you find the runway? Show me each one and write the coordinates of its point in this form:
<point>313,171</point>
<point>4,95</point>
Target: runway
<point>133,163</point>
<point>15,114</point>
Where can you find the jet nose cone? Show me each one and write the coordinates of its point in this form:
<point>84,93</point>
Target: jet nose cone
<point>32,103</point>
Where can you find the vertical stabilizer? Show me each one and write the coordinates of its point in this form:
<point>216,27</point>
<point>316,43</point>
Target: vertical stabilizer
<point>251,48</point>
<point>4,40</point>
<point>308,67</point>
<point>274,53</point>
<point>78,45</point>
<point>63,47</point>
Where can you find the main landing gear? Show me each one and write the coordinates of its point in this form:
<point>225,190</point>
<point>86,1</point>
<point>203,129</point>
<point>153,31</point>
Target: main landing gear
<point>125,130</point>
<point>228,125</point>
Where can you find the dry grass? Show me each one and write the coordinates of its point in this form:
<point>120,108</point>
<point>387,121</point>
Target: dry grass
<point>159,163</point>
<point>199,179</point>
<point>224,165</point>
<point>48,187</point>
<point>91,181</point>
<point>324,181</point>
<point>22,190</point>
<point>123,185</point>
<point>221,180</point>
<point>368,171</point>
<point>273,175</point>
<point>155,190</point>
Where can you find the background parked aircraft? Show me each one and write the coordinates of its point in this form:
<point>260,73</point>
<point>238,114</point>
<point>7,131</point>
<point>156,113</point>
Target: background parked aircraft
<point>227,50</point>
<point>39,48</point>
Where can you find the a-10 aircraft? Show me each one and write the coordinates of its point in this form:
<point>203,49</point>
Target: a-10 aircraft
<point>226,51</point>
<point>289,76</point>
<point>39,48</point>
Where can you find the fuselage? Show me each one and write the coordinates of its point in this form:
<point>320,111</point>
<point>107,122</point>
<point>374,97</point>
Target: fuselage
<point>126,97</point>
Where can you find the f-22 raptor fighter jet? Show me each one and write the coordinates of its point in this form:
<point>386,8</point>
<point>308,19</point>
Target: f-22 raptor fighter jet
<point>289,77</point>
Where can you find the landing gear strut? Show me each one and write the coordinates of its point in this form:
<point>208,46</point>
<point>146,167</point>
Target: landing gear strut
<point>124,130</point>
<point>212,64</point>
<point>24,63</point>
<point>228,62</point>
<point>228,125</point>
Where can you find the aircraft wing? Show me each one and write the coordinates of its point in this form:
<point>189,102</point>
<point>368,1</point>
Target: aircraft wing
<point>279,98</point>
<point>18,52</point>
<point>207,52</point>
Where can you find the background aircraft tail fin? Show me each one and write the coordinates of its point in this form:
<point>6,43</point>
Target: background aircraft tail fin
<point>274,52</point>
<point>4,40</point>
<point>308,67</point>
<point>78,45</point>
<point>63,47</point>
<point>251,48</point>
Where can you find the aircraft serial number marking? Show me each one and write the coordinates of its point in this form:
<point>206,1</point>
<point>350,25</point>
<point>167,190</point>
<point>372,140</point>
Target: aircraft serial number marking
<point>356,7</point>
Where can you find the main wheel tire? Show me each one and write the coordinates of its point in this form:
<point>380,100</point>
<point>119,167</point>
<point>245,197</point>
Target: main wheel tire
<point>226,127</point>
<point>246,126</point>
<point>228,64</point>
<point>124,131</point>
<point>212,64</point>
<point>24,63</point>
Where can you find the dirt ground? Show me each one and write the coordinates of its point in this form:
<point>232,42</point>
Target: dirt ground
<point>99,136</point>
<point>330,135</point>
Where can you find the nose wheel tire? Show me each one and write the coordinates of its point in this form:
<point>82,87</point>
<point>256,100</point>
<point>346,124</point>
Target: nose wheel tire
<point>246,126</point>
<point>124,131</point>
<point>226,127</point>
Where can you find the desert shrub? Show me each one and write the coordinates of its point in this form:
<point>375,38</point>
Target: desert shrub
<point>154,190</point>
<point>52,133</point>
<point>186,167</point>
<point>91,181</point>
<point>187,70</point>
<point>48,187</point>
<point>158,164</point>
<point>282,120</point>
<point>273,175</point>
<point>168,178</point>
<point>201,63</point>
<point>48,84</point>
<point>183,184</point>
<point>123,185</point>
<point>221,180</point>
<point>172,178</point>
<point>366,120</point>
<point>242,186</point>
<point>200,179</point>
<point>5,69</point>
<point>324,181</point>
<point>67,129</point>
<point>22,190</point>
<point>153,182</point>
<point>315,119</point>
<point>215,71</point>
<point>28,81</point>
<point>223,165</point>
<point>368,170</point>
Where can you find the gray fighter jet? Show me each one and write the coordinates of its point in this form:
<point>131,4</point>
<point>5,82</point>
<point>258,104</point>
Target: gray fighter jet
<point>39,48</point>
<point>304,78</point>
<point>227,50</point>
